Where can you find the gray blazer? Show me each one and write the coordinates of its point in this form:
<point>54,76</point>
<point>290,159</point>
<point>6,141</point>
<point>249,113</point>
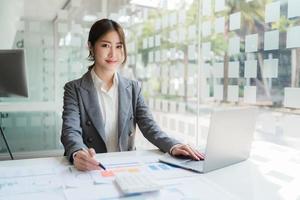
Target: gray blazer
<point>83,124</point>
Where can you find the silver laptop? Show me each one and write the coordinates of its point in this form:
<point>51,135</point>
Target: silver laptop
<point>229,140</point>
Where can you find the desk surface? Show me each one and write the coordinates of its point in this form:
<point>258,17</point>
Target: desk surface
<point>272,172</point>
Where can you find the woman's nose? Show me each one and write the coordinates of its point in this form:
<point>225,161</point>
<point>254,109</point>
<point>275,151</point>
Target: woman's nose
<point>112,52</point>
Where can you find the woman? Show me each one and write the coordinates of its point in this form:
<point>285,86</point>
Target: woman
<point>102,108</point>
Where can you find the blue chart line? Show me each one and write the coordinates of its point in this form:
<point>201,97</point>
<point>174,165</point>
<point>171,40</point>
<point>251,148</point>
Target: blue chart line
<point>159,167</point>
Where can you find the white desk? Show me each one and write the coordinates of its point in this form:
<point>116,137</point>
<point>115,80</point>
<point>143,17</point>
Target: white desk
<point>272,172</point>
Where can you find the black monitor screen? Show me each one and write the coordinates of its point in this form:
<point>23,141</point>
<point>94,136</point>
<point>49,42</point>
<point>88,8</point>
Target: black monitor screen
<point>12,73</point>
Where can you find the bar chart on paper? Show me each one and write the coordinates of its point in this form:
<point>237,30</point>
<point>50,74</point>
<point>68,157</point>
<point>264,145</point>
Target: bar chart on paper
<point>156,170</point>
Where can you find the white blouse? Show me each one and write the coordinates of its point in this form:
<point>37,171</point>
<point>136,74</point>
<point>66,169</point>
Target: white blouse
<point>108,103</point>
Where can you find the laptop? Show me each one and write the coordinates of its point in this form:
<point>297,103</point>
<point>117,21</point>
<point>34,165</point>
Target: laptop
<point>229,140</point>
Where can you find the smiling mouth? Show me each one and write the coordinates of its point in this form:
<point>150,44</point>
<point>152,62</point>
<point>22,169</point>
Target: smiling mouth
<point>111,61</point>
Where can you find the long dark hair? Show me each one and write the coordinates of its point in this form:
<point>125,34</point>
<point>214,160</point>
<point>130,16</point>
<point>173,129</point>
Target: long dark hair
<point>99,29</point>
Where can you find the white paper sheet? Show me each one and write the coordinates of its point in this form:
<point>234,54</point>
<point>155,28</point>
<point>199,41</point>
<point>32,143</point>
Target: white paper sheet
<point>103,191</point>
<point>18,180</point>
<point>57,194</point>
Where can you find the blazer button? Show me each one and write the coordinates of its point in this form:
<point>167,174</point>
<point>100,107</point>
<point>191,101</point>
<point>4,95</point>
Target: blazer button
<point>89,139</point>
<point>88,123</point>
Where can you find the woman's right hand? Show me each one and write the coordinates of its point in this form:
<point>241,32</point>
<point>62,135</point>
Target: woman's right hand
<point>84,160</point>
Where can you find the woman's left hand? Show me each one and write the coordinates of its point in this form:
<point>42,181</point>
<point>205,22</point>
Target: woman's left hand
<point>186,150</point>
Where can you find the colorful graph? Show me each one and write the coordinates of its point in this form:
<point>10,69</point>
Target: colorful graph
<point>113,171</point>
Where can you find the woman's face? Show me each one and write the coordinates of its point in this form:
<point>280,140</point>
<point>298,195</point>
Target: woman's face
<point>108,51</point>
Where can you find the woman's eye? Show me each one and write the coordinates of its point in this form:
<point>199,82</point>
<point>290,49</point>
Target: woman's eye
<point>105,45</point>
<point>119,46</point>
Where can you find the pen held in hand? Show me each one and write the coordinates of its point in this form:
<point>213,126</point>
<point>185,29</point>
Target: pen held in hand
<point>100,165</point>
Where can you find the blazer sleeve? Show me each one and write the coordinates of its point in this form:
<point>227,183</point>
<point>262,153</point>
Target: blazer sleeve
<point>71,136</point>
<point>148,126</point>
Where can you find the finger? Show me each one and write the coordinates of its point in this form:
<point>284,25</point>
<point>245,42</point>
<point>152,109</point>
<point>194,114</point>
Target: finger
<point>191,152</point>
<point>201,155</point>
<point>197,153</point>
<point>92,152</point>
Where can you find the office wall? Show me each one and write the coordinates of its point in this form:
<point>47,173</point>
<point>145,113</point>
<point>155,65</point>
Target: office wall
<point>190,56</point>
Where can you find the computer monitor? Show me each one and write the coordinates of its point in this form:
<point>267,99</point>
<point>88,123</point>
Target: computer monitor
<point>13,80</point>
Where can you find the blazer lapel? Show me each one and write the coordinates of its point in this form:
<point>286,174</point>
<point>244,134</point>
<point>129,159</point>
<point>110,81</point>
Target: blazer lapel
<point>125,98</point>
<point>91,103</point>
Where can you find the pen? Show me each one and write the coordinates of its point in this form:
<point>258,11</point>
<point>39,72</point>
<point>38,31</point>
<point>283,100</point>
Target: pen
<point>100,165</point>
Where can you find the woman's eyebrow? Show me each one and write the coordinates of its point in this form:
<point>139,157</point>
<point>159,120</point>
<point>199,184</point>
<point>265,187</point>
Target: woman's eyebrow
<point>106,41</point>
